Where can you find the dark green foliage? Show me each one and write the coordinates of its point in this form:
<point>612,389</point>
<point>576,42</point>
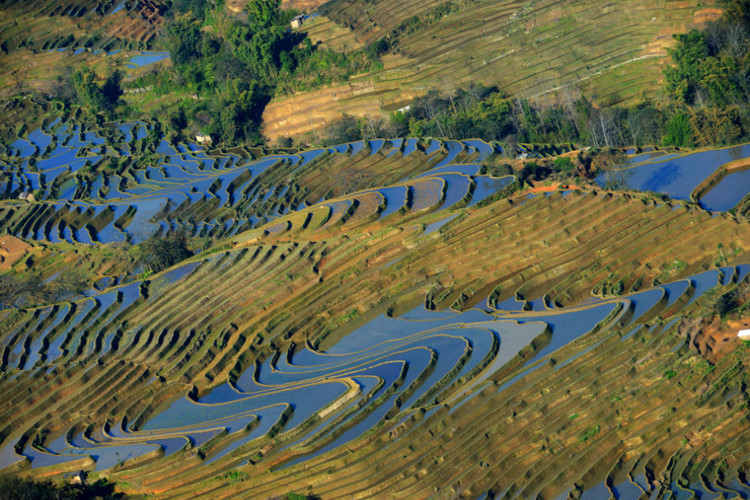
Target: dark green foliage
<point>712,66</point>
<point>263,14</point>
<point>153,136</point>
<point>486,113</point>
<point>159,252</point>
<point>686,76</point>
<point>241,107</point>
<point>184,39</point>
<point>178,120</point>
<point>264,52</point>
<point>300,496</point>
<point>94,97</point>
<point>738,10</point>
<point>475,111</point>
<point>112,89</point>
<point>563,164</point>
<point>16,488</point>
<point>589,433</point>
<point>238,65</point>
<point>734,300</point>
<point>532,171</point>
<point>678,130</point>
<point>307,66</point>
<point>377,48</point>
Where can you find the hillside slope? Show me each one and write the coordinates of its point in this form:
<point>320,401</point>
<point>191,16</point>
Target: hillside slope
<point>612,52</point>
<point>380,318</point>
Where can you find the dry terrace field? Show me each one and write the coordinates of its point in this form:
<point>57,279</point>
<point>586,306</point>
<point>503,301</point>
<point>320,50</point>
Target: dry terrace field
<point>546,50</point>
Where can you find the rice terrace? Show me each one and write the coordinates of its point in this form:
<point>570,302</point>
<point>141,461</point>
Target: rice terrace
<point>374,249</point>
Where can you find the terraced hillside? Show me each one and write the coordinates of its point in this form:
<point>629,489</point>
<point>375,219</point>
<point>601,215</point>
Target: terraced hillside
<point>39,39</point>
<point>546,51</point>
<point>551,49</point>
<point>381,318</point>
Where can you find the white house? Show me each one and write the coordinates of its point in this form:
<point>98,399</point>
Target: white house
<point>297,21</point>
<point>203,139</point>
<point>744,334</point>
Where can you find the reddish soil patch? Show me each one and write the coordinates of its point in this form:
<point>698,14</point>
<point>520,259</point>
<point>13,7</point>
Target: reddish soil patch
<point>11,250</point>
<point>704,16</point>
<point>716,339</point>
<point>539,188</point>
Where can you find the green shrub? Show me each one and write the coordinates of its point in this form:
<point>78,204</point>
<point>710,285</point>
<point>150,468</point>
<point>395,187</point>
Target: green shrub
<point>589,433</point>
<point>563,164</point>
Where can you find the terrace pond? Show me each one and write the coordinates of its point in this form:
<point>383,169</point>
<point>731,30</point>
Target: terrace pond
<point>486,186</point>
<point>408,360</point>
<point>457,187</point>
<point>679,176</point>
<point>435,226</point>
<point>728,192</point>
<point>146,58</point>
<point>186,175</point>
<point>395,198</point>
<point>386,349</point>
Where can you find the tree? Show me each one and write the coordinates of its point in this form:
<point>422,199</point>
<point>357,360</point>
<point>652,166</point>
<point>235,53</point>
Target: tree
<point>678,132</point>
<point>195,7</point>
<point>241,106</point>
<point>159,252</point>
<point>263,14</point>
<point>178,121</point>
<point>112,90</point>
<point>94,97</point>
<point>88,91</point>
<point>184,39</point>
<point>13,488</point>
<point>690,52</point>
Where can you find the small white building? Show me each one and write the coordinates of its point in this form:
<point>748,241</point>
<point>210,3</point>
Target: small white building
<point>77,477</point>
<point>744,334</point>
<point>203,139</point>
<point>297,21</point>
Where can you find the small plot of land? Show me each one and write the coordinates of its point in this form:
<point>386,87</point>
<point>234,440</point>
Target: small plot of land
<point>40,39</point>
<point>11,250</point>
<point>716,339</point>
